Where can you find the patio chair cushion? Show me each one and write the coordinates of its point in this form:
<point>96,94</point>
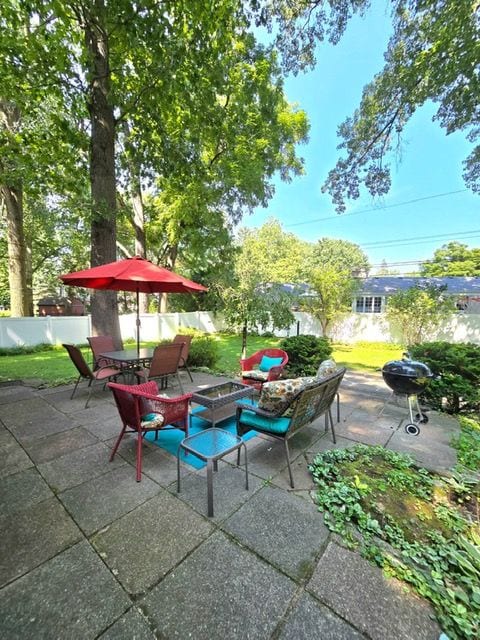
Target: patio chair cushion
<point>255,374</point>
<point>151,420</point>
<point>266,363</point>
<point>326,368</point>
<point>275,425</point>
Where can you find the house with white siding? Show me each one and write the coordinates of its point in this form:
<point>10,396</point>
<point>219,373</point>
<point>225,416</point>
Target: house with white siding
<point>374,292</point>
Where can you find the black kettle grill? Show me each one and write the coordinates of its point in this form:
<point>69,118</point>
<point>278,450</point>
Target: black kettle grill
<point>409,378</point>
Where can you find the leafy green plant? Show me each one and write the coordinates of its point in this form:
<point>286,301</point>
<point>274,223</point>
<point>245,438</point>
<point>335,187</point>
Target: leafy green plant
<point>371,494</point>
<point>457,367</point>
<point>305,353</point>
<point>467,443</point>
<point>203,352</point>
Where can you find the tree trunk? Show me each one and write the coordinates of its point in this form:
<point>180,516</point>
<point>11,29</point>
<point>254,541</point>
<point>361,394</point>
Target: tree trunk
<point>13,198</point>
<point>244,341</point>
<point>138,225</point>
<point>102,170</point>
<point>29,275</point>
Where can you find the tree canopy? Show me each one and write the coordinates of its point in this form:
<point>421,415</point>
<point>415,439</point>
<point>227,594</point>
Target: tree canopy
<point>432,55</point>
<point>341,255</point>
<point>453,259</point>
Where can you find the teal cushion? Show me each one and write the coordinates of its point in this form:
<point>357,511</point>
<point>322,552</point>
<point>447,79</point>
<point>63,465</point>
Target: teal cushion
<point>274,425</point>
<point>267,363</point>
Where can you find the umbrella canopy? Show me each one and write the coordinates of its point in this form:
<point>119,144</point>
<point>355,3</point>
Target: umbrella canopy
<point>132,274</point>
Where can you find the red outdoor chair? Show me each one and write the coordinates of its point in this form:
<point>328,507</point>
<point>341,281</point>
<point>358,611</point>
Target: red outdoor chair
<point>186,340</point>
<point>103,374</point>
<point>165,362</point>
<point>141,410</point>
<point>98,345</point>
<point>258,369</point>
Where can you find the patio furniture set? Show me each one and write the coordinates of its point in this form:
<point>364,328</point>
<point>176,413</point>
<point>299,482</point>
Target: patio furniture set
<point>282,409</point>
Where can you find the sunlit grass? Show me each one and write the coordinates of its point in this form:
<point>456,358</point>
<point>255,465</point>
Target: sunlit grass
<point>52,365</point>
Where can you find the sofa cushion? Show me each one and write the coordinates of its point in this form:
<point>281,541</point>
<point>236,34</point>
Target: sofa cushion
<point>274,425</point>
<point>266,363</point>
<point>255,374</point>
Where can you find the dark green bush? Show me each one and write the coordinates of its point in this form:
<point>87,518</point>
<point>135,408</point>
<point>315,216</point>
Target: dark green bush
<point>203,352</point>
<point>305,353</point>
<point>458,366</point>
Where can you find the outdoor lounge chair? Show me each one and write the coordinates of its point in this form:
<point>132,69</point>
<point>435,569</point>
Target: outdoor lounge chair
<point>186,341</point>
<point>263,366</point>
<point>141,410</point>
<point>103,374</point>
<point>98,345</point>
<point>165,362</point>
<point>312,402</point>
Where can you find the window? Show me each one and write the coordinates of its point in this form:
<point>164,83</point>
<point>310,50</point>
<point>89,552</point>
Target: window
<point>368,304</point>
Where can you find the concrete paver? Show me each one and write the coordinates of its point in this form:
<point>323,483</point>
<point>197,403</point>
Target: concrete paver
<point>87,552</point>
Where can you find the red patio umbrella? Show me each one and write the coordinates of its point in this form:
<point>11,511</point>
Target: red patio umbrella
<point>132,274</point>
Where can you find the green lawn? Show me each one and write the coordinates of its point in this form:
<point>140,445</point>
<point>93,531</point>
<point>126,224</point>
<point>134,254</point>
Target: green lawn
<point>53,366</point>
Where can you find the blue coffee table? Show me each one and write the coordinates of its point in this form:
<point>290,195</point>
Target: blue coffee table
<point>210,446</point>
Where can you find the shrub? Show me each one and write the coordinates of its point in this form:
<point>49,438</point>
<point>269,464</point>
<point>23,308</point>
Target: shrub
<point>458,368</point>
<point>203,351</point>
<point>305,354</point>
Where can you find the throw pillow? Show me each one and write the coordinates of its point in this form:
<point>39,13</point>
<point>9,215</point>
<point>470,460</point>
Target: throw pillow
<point>267,363</point>
<point>327,368</point>
<point>278,393</point>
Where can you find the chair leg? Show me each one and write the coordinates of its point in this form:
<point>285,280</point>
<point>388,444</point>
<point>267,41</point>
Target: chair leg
<point>90,389</point>
<point>114,450</point>
<point>179,383</point>
<point>246,463</point>
<point>75,387</point>
<point>287,453</point>
<point>338,407</point>
<point>139,456</point>
<point>188,371</point>
<point>331,425</point>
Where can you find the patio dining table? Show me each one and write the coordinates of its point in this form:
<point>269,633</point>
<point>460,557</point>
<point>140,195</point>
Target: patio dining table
<point>129,359</point>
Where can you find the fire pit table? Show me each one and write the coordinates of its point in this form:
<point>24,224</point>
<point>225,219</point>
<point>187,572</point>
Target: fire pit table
<point>218,400</point>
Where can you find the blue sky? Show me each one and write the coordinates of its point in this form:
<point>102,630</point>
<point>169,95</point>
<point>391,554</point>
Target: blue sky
<point>430,164</point>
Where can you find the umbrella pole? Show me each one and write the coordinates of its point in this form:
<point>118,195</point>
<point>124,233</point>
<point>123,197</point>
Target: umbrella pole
<point>138,323</point>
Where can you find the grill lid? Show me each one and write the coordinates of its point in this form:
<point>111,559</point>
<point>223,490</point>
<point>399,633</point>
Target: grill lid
<point>407,367</point>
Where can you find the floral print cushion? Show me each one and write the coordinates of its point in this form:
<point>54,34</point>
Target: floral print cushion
<point>279,393</point>
<point>152,420</point>
<point>327,368</point>
<point>255,374</point>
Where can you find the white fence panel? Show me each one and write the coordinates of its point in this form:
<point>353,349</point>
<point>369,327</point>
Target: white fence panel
<point>353,328</point>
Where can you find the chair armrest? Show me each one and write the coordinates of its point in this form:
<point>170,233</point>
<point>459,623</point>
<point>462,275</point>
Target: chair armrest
<point>275,372</point>
<point>252,407</point>
<point>250,362</point>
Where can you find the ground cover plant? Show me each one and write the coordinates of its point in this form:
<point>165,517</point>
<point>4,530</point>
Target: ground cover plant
<point>417,526</point>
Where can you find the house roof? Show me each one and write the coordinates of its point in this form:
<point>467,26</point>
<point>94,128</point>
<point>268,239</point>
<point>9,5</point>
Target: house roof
<point>388,285</point>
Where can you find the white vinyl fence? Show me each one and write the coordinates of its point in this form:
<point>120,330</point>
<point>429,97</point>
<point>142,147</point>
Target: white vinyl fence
<point>354,327</point>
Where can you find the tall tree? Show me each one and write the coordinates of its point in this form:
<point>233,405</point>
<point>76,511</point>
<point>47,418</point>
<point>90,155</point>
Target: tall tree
<point>334,290</point>
<point>453,259</point>
<point>418,311</point>
<point>340,255</point>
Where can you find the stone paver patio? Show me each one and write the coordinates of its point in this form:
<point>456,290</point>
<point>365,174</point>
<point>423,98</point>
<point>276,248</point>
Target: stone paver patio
<point>87,552</point>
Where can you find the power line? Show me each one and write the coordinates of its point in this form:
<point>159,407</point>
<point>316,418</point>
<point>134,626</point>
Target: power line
<point>432,237</point>
<point>379,208</point>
